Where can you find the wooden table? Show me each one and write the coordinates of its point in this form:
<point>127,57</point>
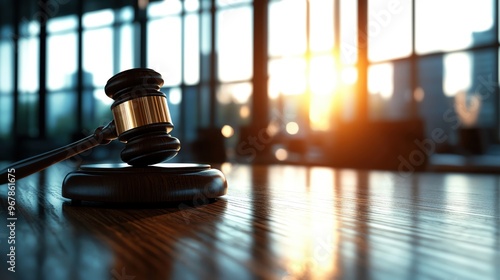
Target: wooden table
<point>276,222</point>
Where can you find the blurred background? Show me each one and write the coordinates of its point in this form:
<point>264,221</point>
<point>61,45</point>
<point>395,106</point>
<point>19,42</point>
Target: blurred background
<point>384,84</point>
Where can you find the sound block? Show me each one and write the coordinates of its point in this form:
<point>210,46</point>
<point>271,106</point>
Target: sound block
<point>164,182</point>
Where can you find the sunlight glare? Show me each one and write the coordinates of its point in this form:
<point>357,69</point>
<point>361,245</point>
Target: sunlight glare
<point>322,76</point>
<point>319,115</point>
<point>349,75</point>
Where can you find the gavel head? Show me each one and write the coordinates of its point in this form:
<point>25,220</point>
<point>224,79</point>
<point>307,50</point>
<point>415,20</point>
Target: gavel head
<point>141,116</point>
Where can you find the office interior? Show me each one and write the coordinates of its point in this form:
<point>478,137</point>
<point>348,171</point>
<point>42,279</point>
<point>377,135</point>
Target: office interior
<point>398,85</point>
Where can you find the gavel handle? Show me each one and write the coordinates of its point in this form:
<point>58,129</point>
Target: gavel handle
<point>102,135</point>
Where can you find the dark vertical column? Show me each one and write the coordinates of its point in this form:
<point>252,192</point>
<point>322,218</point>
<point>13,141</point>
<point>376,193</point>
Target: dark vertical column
<point>141,19</point>
<point>42,75</point>
<point>362,88</point>
<point>79,71</point>
<point>260,103</point>
<point>213,64</point>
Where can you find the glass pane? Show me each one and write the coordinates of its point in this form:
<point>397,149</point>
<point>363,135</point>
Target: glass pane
<point>389,29</point>
<point>7,119</point>
<point>287,27</point>
<point>191,50</point>
<point>483,88</point>
<point>28,65</point>
<point>61,61</point>
<point>163,8</point>
<point>191,5</point>
<point>127,48</point>
<point>6,31</point>
<point>164,48</point>
<point>98,55</point>
<point>61,113</point>
<point>287,76</point>
<point>64,23</point>
<point>174,97</point>
<point>322,83</point>
<point>234,44</point>
<point>390,91</point>
<point>321,25</point>
<point>458,91</point>
<point>233,110</point>
<point>96,108</point>
<point>457,73</point>
<point>205,47</point>
<point>29,28</point>
<point>440,29</point>
<point>206,32</point>
<point>6,66</point>
<point>348,31</point>
<point>238,93</point>
<point>229,3</point>
<point>27,115</point>
<point>204,108</point>
<point>125,14</point>
<point>98,18</point>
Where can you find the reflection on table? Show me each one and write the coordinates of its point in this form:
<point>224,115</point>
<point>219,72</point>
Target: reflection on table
<point>276,222</point>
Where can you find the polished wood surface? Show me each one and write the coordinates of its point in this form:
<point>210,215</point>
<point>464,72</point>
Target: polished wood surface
<point>276,222</point>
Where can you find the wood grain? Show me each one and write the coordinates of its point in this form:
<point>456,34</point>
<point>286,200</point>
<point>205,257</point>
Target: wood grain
<point>276,222</point>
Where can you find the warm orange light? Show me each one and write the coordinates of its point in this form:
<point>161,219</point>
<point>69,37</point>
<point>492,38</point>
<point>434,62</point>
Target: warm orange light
<point>226,167</point>
<point>281,154</point>
<point>319,115</point>
<point>244,112</point>
<point>227,131</point>
<point>419,94</point>
<point>323,86</point>
<point>292,128</point>
<point>273,128</point>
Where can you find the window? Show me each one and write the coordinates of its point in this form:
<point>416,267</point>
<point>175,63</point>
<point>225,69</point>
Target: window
<point>6,82</point>
<point>435,61</point>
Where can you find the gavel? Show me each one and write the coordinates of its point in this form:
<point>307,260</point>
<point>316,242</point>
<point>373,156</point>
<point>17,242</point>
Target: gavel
<point>141,120</point>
